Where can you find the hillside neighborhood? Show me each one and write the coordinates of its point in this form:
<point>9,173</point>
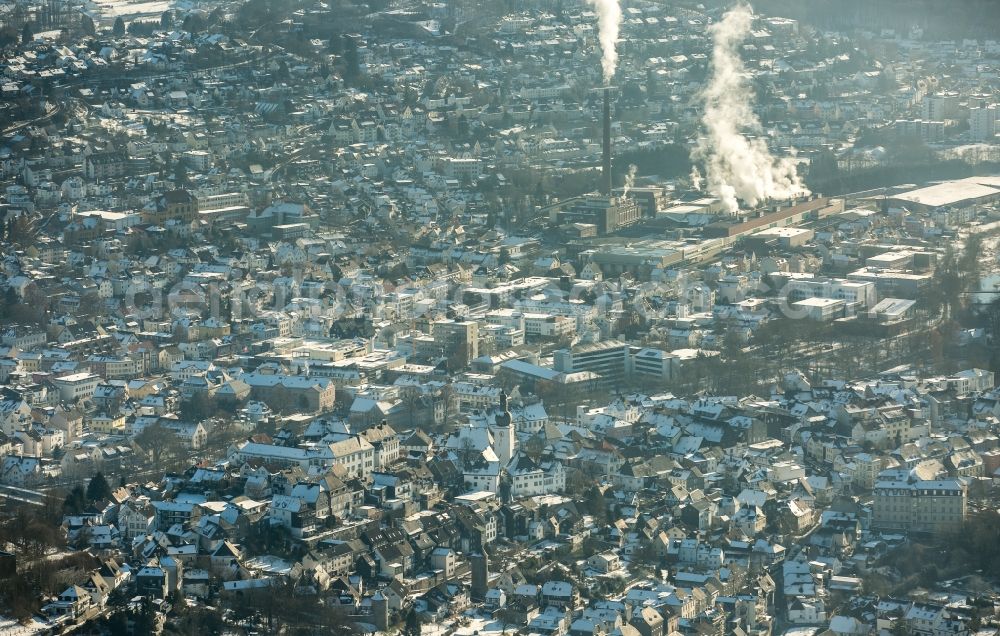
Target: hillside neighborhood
<point>399,318</point>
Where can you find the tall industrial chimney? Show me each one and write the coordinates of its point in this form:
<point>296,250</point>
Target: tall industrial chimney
<point>606,158</point>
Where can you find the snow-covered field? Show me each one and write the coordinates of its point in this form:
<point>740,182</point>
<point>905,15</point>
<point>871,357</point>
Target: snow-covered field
<point>10,627</point>
<point>108,10</point>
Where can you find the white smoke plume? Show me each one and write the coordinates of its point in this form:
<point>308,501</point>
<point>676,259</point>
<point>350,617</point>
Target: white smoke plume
<point>738,167</point>
<point>609,20</point>
<point>630,179</point>
<point>695,178</point>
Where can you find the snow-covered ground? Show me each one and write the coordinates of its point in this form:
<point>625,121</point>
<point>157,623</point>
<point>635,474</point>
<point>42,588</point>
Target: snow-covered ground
<point>801,631</point>
<point>10,627</point>
<point>105,11</point>
<point>482,626</point>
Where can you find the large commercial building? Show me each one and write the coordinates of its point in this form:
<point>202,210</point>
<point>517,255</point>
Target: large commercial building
<point>608,359</point>
<point>816,208</point>
<point>957,195</point>
<point>637,257</point>
<point>905,500</point>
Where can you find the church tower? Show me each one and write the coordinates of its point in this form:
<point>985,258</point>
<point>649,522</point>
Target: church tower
<point>504,437</point>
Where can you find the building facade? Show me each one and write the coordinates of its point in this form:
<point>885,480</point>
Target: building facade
<point>904,501</point>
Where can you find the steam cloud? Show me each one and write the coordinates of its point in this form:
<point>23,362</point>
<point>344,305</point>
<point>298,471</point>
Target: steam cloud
<point>695,179</point>
<point>630,179</point>
<point>737,167</point>
<point>609,19</point>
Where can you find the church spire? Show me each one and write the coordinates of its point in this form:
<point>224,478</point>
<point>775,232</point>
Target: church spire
<point>503,418</point>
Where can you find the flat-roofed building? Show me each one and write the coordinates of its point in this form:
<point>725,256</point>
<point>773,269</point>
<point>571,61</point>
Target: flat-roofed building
<point>958,194</point>
<point>609,359</point>
<point>892,282</point>
<point>786,236</point>
<point>858,293</point>
<point>930,131</point>
<point>639,258</point>
<point>609,214</point>
<point>538,325</point>
<point>117,221</point>
<point>461,336</point>
<point>77,386</point>
<point>892,310</point>
<point>819,309</point>
<point>652,364</point>
<point>983,122</point>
